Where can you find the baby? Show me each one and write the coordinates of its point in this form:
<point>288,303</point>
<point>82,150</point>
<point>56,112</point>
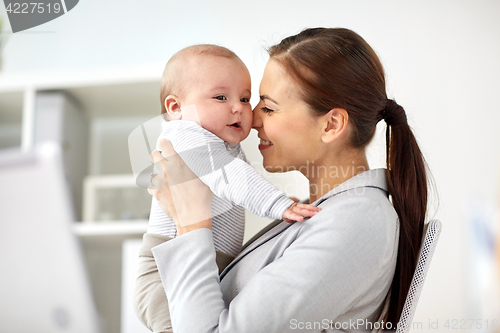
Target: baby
<point>205,94</point>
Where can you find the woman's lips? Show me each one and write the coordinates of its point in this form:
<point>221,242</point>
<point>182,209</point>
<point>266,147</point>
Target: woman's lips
<point>264,144</point>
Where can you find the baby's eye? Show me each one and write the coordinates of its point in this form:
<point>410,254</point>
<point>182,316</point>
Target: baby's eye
<point>245,100</point>
<point>221,98</point>
<point>267,110</point>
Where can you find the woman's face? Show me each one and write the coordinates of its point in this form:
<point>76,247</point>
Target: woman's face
<point>289,133</point>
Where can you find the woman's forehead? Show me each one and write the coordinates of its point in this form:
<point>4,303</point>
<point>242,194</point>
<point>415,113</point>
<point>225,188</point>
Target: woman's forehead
<point>277,85</point>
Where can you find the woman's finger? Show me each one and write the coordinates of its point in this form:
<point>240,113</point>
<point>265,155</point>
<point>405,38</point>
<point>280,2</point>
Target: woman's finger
<point>156,182</point>
<point>160,190</point>
<point>166,148</point>
<point>158,179</point>
<point>176,169</point>
<point>156,156</point>
<point>180,193</point>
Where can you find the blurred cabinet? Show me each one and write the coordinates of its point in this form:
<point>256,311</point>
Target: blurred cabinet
<point>59,118</point>
<point>11,118</point>
<point>90,113</point>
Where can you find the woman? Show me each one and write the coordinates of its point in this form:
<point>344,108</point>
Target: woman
<point>322,94</point>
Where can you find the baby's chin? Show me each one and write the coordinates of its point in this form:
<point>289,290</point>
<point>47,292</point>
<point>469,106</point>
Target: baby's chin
<point>233,140</point>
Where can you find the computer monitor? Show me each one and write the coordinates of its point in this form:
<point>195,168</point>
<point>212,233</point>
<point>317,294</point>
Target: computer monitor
<point>44,286</point>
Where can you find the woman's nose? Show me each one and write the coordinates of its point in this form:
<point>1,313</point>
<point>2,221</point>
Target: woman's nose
<point>257,118</point>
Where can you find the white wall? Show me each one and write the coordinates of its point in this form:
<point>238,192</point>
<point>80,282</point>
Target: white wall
<point>442,60</point>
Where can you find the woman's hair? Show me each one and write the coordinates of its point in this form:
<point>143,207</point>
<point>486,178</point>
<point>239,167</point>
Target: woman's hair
<point>336,68</point>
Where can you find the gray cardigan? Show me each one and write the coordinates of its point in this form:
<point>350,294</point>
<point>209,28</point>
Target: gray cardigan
<point>329,273</point>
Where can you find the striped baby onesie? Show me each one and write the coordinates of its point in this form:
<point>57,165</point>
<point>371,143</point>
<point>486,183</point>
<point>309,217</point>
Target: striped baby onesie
<point>235,184</point>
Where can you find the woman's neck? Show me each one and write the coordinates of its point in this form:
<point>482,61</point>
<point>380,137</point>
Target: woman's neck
<point>326,175</point>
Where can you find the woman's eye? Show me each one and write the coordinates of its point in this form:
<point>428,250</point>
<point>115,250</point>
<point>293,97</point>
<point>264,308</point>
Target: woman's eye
<point>266,109</point>
<point>221,98</point>
<point>245,100</point>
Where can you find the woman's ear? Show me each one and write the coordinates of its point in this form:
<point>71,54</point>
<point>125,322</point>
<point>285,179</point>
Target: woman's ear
<point>173,107</point>
<point>333,124</point>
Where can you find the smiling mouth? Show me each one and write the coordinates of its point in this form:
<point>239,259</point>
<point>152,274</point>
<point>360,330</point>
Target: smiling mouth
<point>265,142</point>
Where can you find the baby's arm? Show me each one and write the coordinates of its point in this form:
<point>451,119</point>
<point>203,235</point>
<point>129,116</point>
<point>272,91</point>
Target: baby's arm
<point>230,177</point>
<point>248,188</point>
<point>297,212</point>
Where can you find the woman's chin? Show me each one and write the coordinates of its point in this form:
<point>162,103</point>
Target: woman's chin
<point>273,168</point>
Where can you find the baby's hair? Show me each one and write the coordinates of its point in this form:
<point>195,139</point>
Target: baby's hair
<point>174,75</point>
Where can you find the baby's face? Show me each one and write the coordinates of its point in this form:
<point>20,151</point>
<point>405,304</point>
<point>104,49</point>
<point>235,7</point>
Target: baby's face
<point>220,89</point>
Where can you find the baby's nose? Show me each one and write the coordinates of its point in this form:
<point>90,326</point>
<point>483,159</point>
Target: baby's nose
<point>237,107</point>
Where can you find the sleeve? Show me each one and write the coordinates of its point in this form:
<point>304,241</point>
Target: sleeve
<point>150,300</point>
<point>325,272</point>
<point>227,176</point>
<point>240,183</point>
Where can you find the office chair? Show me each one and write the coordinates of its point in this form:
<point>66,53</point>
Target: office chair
<point>431,236</point>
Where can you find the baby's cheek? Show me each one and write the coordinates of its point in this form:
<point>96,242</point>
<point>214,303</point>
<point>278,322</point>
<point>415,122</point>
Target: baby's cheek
<point>207,123</point>
<point>248,119</point>
<point>214,127</point>
<point>191,113</point>
<point>245,132</point>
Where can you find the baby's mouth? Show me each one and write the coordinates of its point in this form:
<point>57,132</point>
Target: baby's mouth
<point>265,142</point>
<point>235,125</point>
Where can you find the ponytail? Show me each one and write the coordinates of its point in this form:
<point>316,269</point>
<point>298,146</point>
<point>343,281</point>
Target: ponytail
<point>337,68</point>
<point>407,180</point>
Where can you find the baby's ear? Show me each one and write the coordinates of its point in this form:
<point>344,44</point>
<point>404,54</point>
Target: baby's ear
<point>173,107</point>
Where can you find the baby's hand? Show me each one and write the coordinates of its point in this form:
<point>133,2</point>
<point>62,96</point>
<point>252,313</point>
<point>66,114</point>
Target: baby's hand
<point>297,212</point>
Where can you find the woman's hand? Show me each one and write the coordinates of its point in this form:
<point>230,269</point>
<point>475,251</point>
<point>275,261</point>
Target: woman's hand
<point>180,193</point>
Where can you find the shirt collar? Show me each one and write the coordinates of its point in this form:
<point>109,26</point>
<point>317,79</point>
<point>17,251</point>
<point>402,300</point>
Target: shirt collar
<point>370,178</point>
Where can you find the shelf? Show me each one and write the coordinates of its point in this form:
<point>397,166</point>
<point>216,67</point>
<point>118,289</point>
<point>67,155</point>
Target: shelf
<point>116,75</point>
<point>111,102</point>
<point>110,228</point>
<point>137,99</point>
<point>11,107</point>
<point>120,91</point>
